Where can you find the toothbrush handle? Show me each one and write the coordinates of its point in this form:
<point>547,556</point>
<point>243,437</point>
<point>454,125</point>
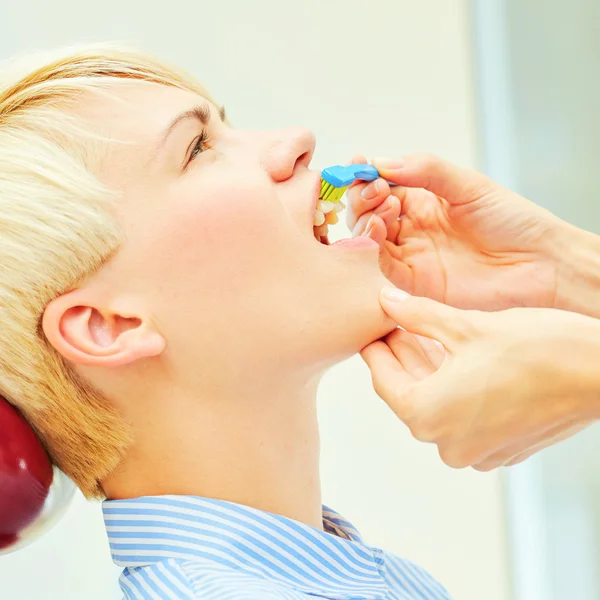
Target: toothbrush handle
<point>369,173</point>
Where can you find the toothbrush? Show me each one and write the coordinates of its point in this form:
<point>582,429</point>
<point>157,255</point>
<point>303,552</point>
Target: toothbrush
<point>335,180</point>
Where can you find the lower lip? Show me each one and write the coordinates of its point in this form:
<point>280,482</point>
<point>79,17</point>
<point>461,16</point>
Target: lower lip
<point>356,243</point>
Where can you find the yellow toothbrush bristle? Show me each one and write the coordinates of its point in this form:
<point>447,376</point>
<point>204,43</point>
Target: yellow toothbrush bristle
<point>329,205</point>
<point>331,193</point>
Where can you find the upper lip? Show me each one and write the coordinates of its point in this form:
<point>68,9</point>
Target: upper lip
<point>316,197</point>
<point>315,202</point>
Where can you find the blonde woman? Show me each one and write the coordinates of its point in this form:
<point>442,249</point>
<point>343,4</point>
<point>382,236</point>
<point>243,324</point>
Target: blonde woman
<point>166,315</point>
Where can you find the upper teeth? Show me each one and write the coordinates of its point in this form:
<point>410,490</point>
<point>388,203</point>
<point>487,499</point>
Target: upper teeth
<point>326,214</point>
<point>319,218</point>
<point>325,206</point>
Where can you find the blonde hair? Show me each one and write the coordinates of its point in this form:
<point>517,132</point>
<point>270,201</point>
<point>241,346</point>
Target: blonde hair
<point>56,228</point>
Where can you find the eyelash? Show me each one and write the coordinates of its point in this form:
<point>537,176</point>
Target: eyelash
<point>200,145</point>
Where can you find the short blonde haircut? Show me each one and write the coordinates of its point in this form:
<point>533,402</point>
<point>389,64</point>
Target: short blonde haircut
<point>57,227</point>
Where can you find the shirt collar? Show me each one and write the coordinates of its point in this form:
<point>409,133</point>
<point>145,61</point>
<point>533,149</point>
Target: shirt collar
<point>221,534</point>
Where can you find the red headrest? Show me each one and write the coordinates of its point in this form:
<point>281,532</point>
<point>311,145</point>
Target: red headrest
<point>33,494</point>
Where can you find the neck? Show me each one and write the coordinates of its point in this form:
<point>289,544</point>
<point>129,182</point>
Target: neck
<point>259,448</point>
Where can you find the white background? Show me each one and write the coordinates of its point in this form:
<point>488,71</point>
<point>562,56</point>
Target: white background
<point>541,131</point>
<point>382,77</point>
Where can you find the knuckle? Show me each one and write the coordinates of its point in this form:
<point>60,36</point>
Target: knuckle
<point>422,427</point>
<point>378,388</point>
<point>485,467</point>
<point>422,434</point>
<point>462,333</point>
<point>455,456</point>
<point>397,337</point>
<point>467,326</point>
<point>394,399</point>
<point>402,405</point>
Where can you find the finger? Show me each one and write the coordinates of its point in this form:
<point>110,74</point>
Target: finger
<point>376,230</point>
<point>431,319</point>
<point>363,198</point>
<point>401,193</point>
<point>520,458</point>
<point>419,404</point>
<point>412,400</point>
<point>410,354</point>
<point>399,273</point>
<point>435,352</point>
<point>456,184</point>
<point>390,379</point>
<point>523,449</point>
<point>388,211</point>
<point>505,457</point>
<point>357,159</point>
<point>571,431</point>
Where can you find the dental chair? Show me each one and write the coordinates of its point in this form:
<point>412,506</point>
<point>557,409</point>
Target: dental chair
<point>33,493</point>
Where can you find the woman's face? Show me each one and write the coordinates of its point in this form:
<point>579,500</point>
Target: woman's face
<point>220,251</point>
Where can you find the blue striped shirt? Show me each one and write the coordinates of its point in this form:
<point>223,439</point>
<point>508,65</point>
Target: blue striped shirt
<point>185,547</point>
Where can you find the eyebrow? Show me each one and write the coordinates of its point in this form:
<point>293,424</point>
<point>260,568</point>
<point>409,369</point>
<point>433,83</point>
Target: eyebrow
<point>200,113</point>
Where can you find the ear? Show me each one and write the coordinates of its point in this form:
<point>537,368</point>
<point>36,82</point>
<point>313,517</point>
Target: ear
<point>88,334</point>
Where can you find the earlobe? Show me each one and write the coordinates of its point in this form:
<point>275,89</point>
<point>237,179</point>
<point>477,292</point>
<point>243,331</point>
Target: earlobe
<point>95,336</point>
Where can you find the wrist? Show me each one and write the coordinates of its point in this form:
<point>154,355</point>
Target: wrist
<point>577,255</point>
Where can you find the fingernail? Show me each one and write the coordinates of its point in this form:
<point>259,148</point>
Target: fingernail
<point>394,295</point>
<point>388,164</point>
<point>371,190</point>
<point>370,226</point>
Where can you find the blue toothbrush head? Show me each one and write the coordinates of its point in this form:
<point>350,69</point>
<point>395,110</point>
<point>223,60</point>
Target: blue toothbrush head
<point>339,176</point>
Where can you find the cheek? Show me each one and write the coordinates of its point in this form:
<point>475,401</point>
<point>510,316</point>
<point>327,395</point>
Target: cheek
<point>216,235</point>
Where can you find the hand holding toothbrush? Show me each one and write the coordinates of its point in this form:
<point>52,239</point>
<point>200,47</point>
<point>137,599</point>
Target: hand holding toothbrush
<point>508,383</point>
<point>456,236</point>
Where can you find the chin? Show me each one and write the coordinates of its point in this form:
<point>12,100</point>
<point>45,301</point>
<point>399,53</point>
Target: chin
<point>374,329</point>
<point>354,341</point>
<point>361,321</point>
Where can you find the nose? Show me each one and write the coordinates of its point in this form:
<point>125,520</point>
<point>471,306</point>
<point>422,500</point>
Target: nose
<point>287,149</point>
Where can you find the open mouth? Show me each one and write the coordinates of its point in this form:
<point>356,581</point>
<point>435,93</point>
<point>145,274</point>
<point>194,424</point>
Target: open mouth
<point>326,214</point>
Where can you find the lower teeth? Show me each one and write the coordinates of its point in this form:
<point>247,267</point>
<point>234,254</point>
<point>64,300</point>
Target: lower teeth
<point>324,219</point>
<point>321,231</point>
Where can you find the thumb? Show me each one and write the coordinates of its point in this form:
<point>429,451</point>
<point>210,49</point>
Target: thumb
<point>455,184</point>
<point>428,318</point>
